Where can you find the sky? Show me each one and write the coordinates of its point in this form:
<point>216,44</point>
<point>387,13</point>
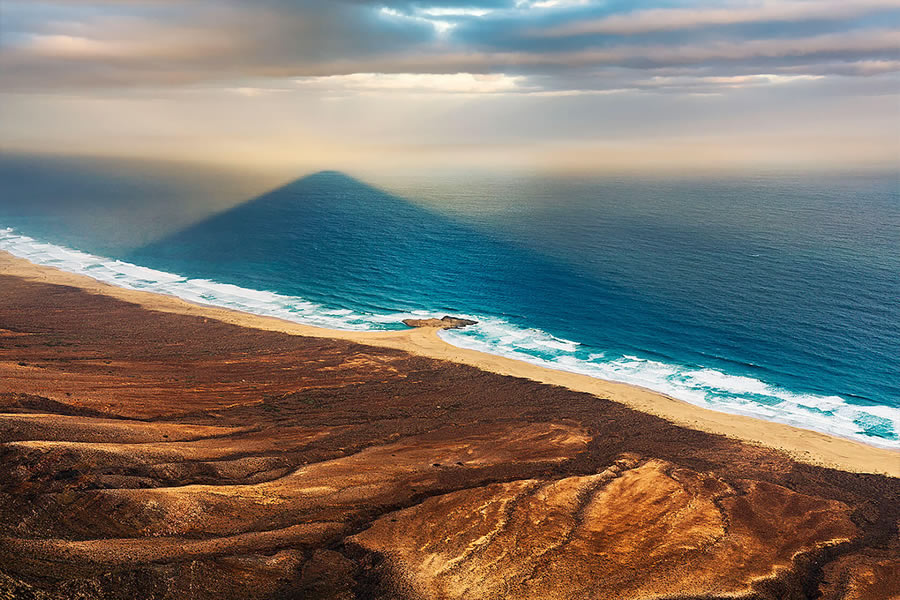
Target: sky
<point>401,84</point>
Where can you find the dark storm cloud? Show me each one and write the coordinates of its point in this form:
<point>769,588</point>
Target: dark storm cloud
<point>562,45</point>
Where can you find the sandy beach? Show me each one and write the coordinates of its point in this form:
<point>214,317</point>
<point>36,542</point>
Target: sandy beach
<point>801,444</point>
<point>152,448</point>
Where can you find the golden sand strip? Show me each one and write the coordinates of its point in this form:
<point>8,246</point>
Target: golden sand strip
<point>803,445</point>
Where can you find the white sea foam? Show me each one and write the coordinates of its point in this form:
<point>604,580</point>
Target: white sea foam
<point>201,291</point>
<point>709,388</point>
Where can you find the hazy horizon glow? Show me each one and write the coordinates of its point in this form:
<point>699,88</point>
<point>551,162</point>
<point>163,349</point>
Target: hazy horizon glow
<point>555,84</point>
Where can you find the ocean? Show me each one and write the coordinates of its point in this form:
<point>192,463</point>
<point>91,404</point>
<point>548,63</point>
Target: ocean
<point>772,295</point>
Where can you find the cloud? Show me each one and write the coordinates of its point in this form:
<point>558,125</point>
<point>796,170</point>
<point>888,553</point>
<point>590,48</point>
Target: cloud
<point>664,19</point>
<point>416,83</point>
<point>442,46</point>
<point>846,45</point>
<point>166,44</point>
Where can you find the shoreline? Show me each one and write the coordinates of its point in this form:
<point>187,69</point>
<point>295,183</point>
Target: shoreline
<point>803,445</point>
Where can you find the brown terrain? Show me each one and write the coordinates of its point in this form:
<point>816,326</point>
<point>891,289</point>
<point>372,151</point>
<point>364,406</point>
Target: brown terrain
<point>147,454</point>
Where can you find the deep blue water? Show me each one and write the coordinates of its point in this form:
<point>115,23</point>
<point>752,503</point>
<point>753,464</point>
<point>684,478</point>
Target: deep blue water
<point>775,296</point>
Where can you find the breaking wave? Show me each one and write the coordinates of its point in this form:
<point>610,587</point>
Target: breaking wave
<point>738,394</point>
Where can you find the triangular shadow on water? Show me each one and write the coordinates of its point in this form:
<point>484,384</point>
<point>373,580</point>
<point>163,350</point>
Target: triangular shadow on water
<point>328,237</point>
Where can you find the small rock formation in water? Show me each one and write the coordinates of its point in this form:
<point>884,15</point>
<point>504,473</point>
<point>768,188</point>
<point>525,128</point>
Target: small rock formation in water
<point>446,322</point>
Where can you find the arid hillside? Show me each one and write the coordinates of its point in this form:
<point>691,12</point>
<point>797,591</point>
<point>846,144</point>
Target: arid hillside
<point>154,455</point>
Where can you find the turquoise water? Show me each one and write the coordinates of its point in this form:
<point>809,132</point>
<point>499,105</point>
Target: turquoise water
<point>774,296</point>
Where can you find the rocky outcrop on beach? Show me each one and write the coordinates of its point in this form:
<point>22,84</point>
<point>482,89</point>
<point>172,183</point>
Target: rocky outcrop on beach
<point>445,322</point>
<point>154,455</point>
